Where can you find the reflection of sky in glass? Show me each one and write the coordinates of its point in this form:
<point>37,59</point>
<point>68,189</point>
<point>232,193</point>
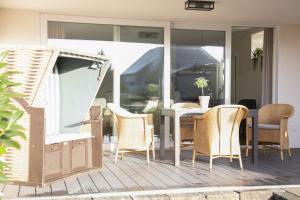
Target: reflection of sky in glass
<point>216,52</point>
<point>122,54</point>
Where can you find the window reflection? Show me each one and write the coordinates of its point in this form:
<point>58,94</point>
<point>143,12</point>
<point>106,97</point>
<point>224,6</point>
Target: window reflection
<point>197,54</point>
<point>141,79</point>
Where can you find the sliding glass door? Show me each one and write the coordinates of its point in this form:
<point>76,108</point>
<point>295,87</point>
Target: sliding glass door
<point>194,54</point>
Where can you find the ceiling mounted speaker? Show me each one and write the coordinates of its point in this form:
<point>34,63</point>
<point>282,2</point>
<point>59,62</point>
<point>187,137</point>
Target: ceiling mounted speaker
<point>199,5</point>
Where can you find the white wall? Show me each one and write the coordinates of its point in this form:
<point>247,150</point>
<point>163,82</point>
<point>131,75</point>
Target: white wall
<point>246,82</point>
<point>289,75</point>
<point>19,27</point>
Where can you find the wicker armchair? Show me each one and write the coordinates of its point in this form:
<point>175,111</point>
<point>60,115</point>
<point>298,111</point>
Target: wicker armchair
<point>217,133</point>
<point>135,133</point>
<point>272,127</point>
<point>186,123</point>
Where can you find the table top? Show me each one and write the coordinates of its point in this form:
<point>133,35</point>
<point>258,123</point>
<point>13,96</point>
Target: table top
<point>182,111</point>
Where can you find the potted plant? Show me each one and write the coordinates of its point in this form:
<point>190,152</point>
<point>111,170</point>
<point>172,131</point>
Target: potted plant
<point>152,91</point>
<point>257,55</point>
<point>202,83</point>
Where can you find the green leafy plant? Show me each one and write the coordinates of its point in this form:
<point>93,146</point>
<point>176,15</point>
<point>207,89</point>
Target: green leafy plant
<point>9,114</point>
<point>152,89</point>
<point>201,83</point>
<point>256,55</point>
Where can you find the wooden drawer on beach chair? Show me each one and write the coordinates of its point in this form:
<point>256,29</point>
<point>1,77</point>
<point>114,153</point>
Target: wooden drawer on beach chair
<point>79,155</point>
<point>53,161</point>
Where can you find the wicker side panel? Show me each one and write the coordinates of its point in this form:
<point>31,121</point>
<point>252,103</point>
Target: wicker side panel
<point>18,159</point>
<point>32,63</point>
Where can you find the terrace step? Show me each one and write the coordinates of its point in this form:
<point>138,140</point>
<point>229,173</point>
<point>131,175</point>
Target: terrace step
<point>256,194</point>
<point>222,196</point>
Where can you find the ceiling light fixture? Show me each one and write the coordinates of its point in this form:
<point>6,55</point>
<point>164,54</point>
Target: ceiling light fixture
<point>199,5</point>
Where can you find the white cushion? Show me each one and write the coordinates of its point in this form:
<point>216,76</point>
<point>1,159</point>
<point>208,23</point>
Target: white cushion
<point>267,126</point>
<point>64,137</point>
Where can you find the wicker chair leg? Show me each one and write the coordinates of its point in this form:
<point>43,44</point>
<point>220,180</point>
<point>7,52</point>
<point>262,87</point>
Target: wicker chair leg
<point>153,150</point>
<point>241,163</point>
<point>116,156</point>
<point>194,157</point>
<point>148,160</point>
<point>290,153</point>
<point>210,163</point>
<point>122,156</point>
<point>281,154</point>
<point>247,151</point>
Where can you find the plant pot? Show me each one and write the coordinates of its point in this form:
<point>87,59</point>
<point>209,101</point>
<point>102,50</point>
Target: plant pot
<point>204,101</point>
<point>153,98</point>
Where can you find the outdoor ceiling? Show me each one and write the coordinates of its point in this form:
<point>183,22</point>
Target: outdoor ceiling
<point>237,12</point>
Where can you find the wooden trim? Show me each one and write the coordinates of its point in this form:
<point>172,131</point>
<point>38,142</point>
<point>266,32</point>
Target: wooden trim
<point>96,129</point>
<point>37,141</point>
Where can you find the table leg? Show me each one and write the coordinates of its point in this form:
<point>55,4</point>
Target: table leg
<point>255,137</point>
<point>164,138</point>
<point>177,139</point>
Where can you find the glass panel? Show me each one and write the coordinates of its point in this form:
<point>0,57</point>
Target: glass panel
<point>137,34</point>
<point>197,53</point>
<point>141,76</point>
<point>80,31</point>
<point>257,41</point>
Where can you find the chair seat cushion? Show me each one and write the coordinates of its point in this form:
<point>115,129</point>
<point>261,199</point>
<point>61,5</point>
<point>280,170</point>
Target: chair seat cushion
<point>267,126</point>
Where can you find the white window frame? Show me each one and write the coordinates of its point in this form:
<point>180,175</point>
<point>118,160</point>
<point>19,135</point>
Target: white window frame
<point>45,18</point>
<point>167,26</point>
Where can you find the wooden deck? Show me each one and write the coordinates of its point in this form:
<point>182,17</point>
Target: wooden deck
<point>133,174</point>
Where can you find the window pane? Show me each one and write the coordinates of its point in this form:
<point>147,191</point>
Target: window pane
<point>257,40</point>
<point>80,31</point>
<point>196,54</point>
<point>141,77</point>
<point>137,34</point>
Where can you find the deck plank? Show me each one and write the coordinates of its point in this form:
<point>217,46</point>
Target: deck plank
<point>43,191</point>
<point>158,174</point>
<point>139,179</point>
<point>26,191</point>
<point>124,178</point>
<point>87,184</point>
<point>100,182</point>
<point>171,174</point>
<point>155,182</point>
<point>11,191</point>
<point>112,180</point>
<point>73,186</point>
<point>58,188</point>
